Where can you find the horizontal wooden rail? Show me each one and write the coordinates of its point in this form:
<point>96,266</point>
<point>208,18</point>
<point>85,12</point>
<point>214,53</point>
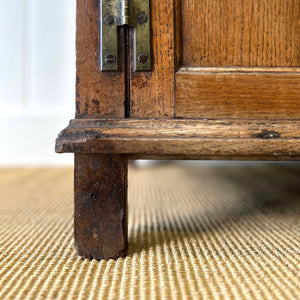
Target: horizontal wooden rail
<point>184,138</point>
<point>238,93</point>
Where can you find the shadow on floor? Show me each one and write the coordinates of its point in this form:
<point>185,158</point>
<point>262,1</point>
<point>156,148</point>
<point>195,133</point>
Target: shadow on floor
<point>231,195</point>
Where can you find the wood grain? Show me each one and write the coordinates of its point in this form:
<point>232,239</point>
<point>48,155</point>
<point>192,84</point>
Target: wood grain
<point>183,137</point>
<point>98,94</point>
<point>152,94</point>
<point>255,93</point>
<point>178,35</point>
<point>253,33</point>
<point>100,217</point>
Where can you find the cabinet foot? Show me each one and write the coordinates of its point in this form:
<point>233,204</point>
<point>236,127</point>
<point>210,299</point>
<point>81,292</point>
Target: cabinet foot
<point>100,217</point>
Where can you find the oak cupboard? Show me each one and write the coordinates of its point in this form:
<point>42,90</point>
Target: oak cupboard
<point>224,84</point>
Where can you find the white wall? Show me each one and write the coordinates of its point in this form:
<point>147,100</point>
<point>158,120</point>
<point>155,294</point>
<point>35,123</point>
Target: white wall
<point>37,79</point>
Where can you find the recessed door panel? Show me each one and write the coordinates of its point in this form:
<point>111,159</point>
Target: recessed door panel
<point>252,33</point>
<point>240,59</point>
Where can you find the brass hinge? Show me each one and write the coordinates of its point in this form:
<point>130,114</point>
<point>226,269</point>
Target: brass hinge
<point>133,13</point>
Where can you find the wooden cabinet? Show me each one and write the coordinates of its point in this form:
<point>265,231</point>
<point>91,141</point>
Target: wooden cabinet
<point>224,84</point>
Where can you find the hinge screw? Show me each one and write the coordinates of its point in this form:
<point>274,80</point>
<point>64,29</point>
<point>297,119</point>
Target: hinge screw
<point>141,18</point>
<point>142,58</point>
<point>110,59</point>
<point>109,20</point>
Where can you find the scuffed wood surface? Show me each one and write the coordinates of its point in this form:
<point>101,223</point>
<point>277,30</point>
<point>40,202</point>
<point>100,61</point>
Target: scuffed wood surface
<point>98,94</point>
<point>254,93</point>
<point>183,137</point>
<point>248,33</point>
<point>100,217</point>
<point>152,94</point>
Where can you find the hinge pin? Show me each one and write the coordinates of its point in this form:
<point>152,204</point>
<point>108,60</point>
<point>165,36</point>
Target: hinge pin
<point>125,12</point>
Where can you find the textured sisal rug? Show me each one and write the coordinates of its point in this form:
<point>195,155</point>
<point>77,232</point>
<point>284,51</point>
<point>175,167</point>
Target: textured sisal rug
<point>210,232</point>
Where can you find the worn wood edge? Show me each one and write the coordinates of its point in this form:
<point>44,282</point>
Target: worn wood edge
<point>217,138</point>
<point>279,70</point>
<point>277,158</point>
<point>146,147</point>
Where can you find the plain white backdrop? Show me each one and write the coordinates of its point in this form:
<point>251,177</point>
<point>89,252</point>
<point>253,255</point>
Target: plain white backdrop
<point>37,79</point>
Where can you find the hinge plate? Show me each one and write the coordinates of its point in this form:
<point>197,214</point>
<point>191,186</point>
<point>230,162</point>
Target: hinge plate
<point>133,13</point>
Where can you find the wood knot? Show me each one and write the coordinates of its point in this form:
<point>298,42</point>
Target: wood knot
<point>266,134</point>
<point>92,196</point>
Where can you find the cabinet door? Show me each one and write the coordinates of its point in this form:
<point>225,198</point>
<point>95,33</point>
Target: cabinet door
<point>98,94</point>
<point>222,59</point>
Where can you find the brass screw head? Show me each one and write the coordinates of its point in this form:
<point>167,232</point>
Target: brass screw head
<point>109,20</point>
<point>141,18</point>
<point>110,59</point>
<point>142,58</point>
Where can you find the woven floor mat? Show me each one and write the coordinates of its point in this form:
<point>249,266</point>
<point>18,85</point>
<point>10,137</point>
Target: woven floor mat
<point>207,232</point>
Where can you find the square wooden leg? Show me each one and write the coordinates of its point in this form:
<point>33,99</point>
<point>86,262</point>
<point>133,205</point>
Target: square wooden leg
<point>100,217</point>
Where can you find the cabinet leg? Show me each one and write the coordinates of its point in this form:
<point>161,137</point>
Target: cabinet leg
<point>100,217</point>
